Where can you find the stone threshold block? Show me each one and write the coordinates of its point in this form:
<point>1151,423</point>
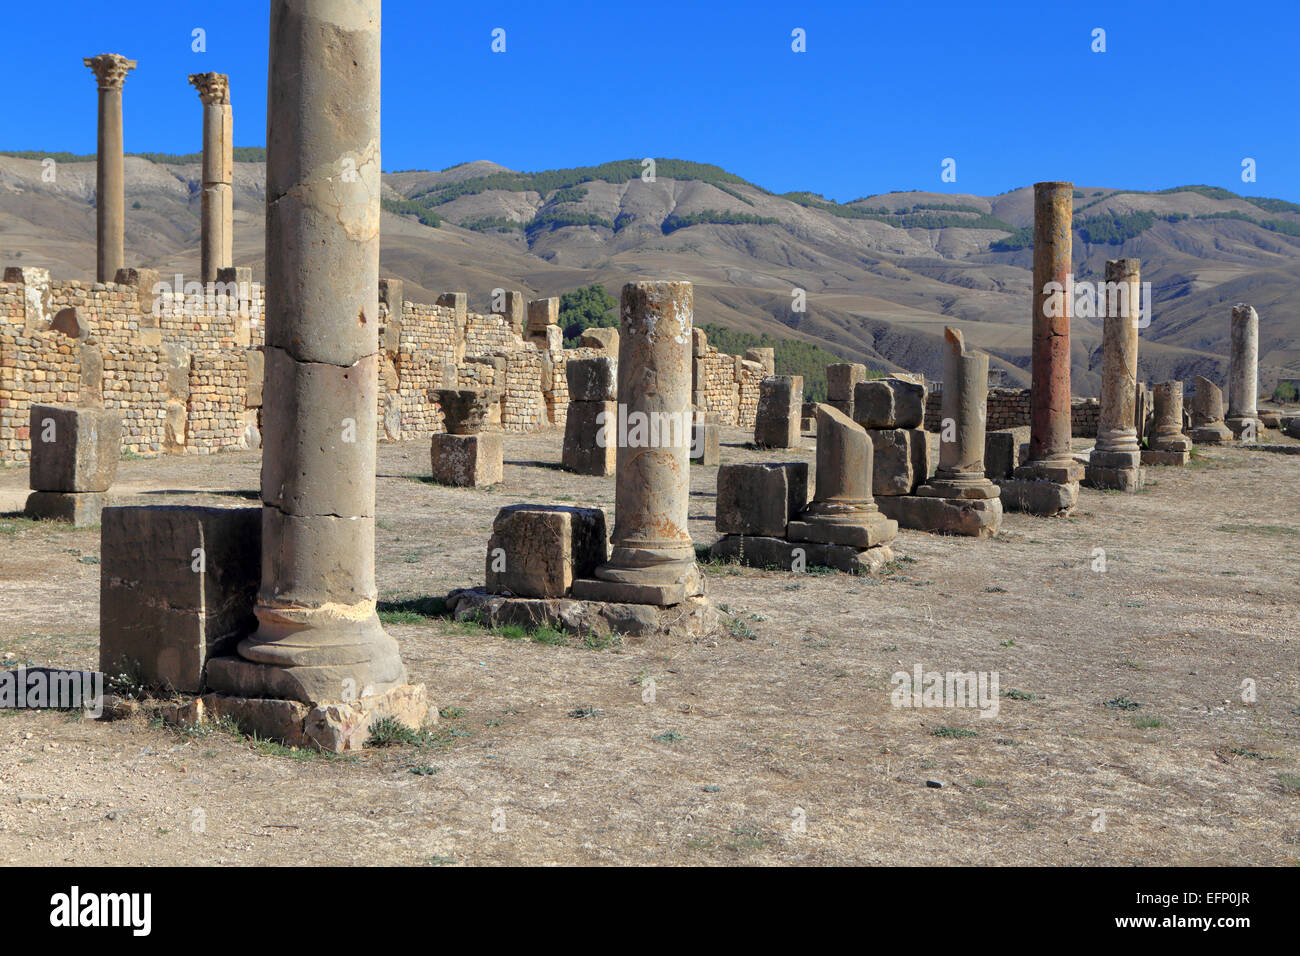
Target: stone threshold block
<point>1154,456</point>
<point>468,461</point>
<point>760,498</point>
<point>538,550</point>
<point>691,618</point>
<point>759,551</point>
<point>583,452</point>
<point>332,727</point>
<point>900,460</point>
<point>1040,497</point>
<point>1114,471</point>
<point>706,441</point>
<point>74,449</point>
<point>80,509</point>
<point>972,517</point>
<point>177,586</point>
<point>623,592</point>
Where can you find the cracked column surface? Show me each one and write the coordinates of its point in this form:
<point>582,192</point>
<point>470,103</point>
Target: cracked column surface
<point>110,70</point>
<point>1050,456</point>
<point>1243,370</point>
<point>652,558</point>
<point>1167,432</point>
<point>965,402</point>
<point>317,626</point>
<point>1116,428</point>
<point>217,235</point>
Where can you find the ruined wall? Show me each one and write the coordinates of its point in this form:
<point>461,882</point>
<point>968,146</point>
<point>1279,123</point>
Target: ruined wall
<point>36,368</point>
<point>1009,408</point>
<point>724,386</point>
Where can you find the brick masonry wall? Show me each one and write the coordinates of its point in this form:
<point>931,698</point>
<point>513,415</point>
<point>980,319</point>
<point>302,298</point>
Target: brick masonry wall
<point>36,368</point>
<point>218,385</point>
<point>134,384</point>
<point>1009,408</point>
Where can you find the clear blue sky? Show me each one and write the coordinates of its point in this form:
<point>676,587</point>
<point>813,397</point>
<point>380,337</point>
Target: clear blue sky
<point>1011,90</point>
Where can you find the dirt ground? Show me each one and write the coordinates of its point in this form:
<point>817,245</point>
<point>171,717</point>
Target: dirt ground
<point>771,741</point>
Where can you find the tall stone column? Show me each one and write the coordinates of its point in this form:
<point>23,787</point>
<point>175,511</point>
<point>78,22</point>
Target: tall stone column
<point>319,638</point>
<point>652,558</point>
<point>110,70</point>
<point>1243,373</point>
<point>217,238</point>
<point>1116,459</point>
<point>1050,459</point>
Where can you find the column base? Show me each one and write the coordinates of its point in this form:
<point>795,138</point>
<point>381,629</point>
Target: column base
<point>758,551</point>
<point>826,523</point>
<point>82,509</point>
<point>1239,425</point>
<point>1157,456</point>
<point>972,517</point>
<point>636,592</point>
<point>1115,470</point>
<point>690,618</point>
<point>1216,434</point>
<point>1040,497</point>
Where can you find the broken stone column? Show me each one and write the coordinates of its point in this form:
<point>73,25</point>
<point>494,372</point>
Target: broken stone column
<point>1167,443</point>
<point>1116,460</point>
<point>652,560</point>
<point>1208,427</point>
<point>74,458</point>
<point>217,235</point>
<point>959,499</point>
<point>319,640</point>
<point>843,510</point>
<point>591,424</point>
<point>110,70</point>
<point>1243,374</point>
<point>1048,483</point>
<point>776,423</point>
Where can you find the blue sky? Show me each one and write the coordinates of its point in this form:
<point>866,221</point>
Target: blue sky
<point>885,92</point>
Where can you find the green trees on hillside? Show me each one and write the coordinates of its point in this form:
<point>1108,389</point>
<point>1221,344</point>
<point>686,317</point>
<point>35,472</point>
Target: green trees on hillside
<point>675,222</point>
<point>590,306</point>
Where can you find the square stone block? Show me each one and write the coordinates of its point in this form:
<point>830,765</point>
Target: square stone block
<point>538,551</point>
<point>79,508</point>
<point>765,552</point>
<point>973,517</point>
<point>1002,452</point>
<point>470,461</point>
<point>1154,456</point>
<point>74,449</point>
<point>900,460</point>
<point>543,312</point>
<point>760,499</point>
<point>177,586</point>
<point>776,422</point>
<point>705,441</point>
<point>889,403</point>
<point>592,379</point>
<point>586,451</point>
<point>842,378</point>
<point>1040,497</point>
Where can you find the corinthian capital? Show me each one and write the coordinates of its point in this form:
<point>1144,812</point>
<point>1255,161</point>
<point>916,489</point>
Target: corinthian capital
<point>110,69</point>
<point>212,87</point>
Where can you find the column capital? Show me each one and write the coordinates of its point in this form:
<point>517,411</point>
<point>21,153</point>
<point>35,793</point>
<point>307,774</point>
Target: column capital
<point>110,69</point>
<point>212,87</point>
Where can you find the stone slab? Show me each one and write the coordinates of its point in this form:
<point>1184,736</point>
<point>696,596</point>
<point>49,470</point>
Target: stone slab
<point>74,449</point>
<point>584,453</point>
<point>177,586</point>
<point>1106,478</point>
<point>758,551</point>
<point>467,461</point>
<point>592,379</point>
<point>972,517</point>
<point>1039,497</point>
<point>760,498</point>
<point>776,422</point>
<point>706,444</point>
<point>872,530</point>
<point>900,460</point>
<point>1153,456</point>
<point>538,550</point>
<point>889,403</point>
<point>692,618</point>
<point>80,509</point>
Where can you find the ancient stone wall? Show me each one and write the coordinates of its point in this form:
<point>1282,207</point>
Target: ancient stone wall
<point>1009,408</point>
<point>36,368</point>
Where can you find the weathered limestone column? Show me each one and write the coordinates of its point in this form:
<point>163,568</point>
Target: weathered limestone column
<point>959,499</point>
<point>216,242</point>
<point>652,559</point>
<point>1168,444</point>
<point>1050,458</point>
<point>319,638</point>
<point>110,70</point>
<point>1243,374</point>
<point>1116,459</point>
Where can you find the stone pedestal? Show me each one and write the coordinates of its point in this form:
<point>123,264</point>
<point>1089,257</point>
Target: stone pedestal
<point>467,461</point>
<point>74,456</point>
<point>465,411</point>
<point>900,460</point>
<point>1208,427</point>
<point>319,640</point>
<point>590,438</point>
<point>538,551</point>
<point>776,423</point>
<point>841,379</point>
<point>1116,460</point>
<point>652,558</point>
<point>110,71</point>
<point>1243,375</point>
<point>760,499</point>
<point>1051,460</point>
